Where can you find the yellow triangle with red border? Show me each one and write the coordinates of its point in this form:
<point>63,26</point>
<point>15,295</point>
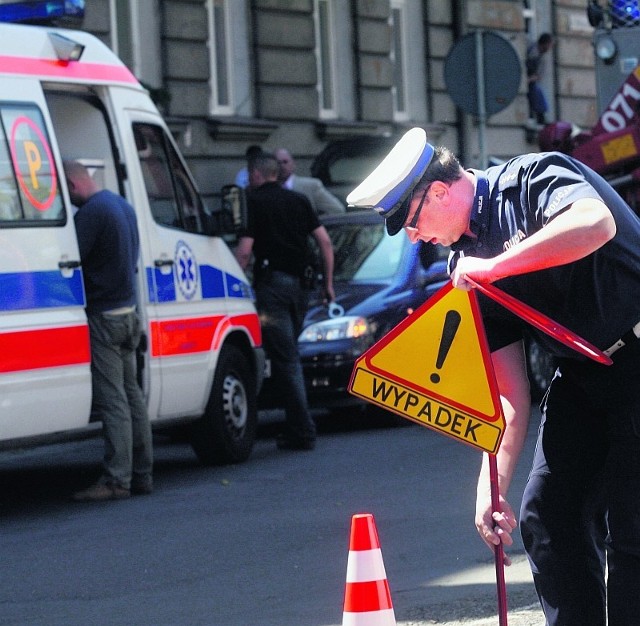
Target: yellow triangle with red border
<point>440,354</point>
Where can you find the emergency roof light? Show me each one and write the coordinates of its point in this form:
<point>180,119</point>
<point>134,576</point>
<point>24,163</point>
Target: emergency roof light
<point>624,13</point>
<point>66,49</point>
<point>42,12</point>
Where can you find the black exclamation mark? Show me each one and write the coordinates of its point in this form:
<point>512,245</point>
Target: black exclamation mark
<point>451,323</point>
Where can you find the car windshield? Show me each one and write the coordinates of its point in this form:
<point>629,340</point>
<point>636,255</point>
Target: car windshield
<point>364,252</point>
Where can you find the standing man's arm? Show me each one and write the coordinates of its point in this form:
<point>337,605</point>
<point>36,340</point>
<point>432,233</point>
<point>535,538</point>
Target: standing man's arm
<point>243,251</point>
<point>324,201</point>
<point>321,236</point>
<point>511,373</point>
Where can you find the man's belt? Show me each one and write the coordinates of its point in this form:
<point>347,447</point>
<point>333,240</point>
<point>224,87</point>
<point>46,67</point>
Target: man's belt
<point>628,337</point>
<point>123,310</point>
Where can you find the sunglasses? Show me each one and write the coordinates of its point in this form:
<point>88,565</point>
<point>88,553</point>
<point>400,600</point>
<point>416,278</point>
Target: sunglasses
<point>416,216</point>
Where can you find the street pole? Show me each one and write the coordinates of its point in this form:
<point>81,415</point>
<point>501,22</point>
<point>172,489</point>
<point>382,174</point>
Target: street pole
<point>481,94</point>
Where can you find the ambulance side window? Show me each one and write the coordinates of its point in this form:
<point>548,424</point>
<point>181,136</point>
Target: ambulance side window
<point>9,203</point>
<point>29,187</point>
<point>173,199</point>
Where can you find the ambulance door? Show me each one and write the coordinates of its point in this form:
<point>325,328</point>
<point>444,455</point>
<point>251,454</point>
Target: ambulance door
<point>45,380</point>
<point>186,291</point>
<point>85,133</point>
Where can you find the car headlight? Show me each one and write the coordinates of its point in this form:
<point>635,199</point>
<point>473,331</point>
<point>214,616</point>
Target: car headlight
<point>347,327</point>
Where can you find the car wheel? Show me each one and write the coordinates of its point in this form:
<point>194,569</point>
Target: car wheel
<point>541,368</point>
<point>227,430</point>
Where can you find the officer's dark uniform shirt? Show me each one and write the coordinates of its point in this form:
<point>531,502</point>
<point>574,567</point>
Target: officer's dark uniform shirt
<point>280,221</point>
<point>597,296</point>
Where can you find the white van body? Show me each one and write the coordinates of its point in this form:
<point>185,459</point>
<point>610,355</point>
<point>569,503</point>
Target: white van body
<point>201,359</point>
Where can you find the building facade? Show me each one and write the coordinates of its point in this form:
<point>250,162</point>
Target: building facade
<point>302,73</point>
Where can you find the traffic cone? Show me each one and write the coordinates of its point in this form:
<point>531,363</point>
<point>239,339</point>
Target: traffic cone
<point>367,601</point>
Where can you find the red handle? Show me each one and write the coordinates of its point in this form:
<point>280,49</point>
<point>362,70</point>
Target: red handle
<point>542,322</point>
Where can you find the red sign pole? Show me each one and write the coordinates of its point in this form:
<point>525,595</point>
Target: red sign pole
<point>499,549</point>
<point>565,336</point>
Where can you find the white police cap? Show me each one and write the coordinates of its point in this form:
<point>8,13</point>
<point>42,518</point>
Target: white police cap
<point>387,188</point>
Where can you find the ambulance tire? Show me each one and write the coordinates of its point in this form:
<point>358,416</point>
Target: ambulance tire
<point>226,432</point>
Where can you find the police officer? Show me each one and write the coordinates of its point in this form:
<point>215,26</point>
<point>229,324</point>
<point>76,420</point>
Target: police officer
<point>554,234</point>
<point>279,225</point>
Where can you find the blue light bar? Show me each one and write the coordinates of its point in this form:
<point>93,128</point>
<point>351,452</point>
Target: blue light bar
<point>41,11</point>
<point>624,12</point>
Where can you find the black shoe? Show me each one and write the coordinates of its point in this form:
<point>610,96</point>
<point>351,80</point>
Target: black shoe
<point>288,443</point>
<point>101,492</point>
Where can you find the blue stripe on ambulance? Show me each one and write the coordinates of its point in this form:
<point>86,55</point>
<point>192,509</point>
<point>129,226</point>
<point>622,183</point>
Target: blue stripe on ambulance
<point>237,288</point>
<point>40,290</point>
<point>215,284</point>
<point>49,289</point>
<point>212,281</point>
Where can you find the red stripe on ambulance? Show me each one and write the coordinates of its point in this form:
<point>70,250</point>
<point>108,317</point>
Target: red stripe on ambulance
<point>51,347</point>
<point>90,72</point>
<point>200,334</point>
<point>251,322</point>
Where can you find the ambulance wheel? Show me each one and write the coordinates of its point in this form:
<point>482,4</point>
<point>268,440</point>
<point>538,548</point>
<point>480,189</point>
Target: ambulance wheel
<point>227,430</point>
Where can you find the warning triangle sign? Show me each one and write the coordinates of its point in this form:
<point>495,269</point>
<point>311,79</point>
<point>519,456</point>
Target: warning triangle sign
<point>435,369</point>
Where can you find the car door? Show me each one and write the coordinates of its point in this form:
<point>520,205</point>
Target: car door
<point>45,381</point>
<point>187,295</point>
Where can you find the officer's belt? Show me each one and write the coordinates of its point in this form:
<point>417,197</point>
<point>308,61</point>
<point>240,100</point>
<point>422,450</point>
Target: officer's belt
<point>628,337</point>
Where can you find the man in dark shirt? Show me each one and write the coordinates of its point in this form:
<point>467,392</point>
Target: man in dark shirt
<point>109,247</point>
<point>552,232</point>
<point>279,224</point>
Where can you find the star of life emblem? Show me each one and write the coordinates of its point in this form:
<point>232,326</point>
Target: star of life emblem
<point>186,270</point>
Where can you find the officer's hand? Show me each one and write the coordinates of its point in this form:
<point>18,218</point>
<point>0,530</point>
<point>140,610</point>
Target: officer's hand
<point>495,527</point>
<point>477,269</point>
<point>328,294</point>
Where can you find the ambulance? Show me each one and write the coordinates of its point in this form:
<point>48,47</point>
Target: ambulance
<point>65,95</point>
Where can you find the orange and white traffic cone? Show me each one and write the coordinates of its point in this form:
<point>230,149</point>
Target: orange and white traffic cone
<point>367,600</point>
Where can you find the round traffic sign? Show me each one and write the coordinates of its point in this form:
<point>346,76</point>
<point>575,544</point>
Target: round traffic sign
<point>501,72</point>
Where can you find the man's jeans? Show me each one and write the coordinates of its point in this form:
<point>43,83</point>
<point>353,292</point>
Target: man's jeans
<point>281,303</point>
<point>118,400</point>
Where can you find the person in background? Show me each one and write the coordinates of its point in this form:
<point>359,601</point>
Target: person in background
<point>322,200</point>
<point>554,234</point>
<point>535,66</point>
<point>109,247</point>
<point>280,222</point>
<point>242,177</point>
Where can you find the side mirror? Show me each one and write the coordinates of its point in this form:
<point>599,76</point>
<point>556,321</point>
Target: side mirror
<point>234,203</point>
<point>232,215</point>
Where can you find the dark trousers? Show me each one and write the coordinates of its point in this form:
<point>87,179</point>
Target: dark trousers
<point>538,106</point>
<point>282,302</point>
<point>581,507</point>
<point>118,400</point>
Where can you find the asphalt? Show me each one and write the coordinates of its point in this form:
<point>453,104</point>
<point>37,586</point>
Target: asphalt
<point>523,608</point>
